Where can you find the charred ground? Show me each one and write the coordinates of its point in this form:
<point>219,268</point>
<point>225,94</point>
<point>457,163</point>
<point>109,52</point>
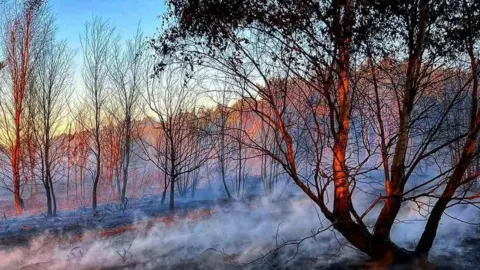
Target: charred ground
<point>197,235</point>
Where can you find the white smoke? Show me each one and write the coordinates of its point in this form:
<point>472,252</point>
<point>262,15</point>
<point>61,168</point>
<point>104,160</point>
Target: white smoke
<point>221,237</point>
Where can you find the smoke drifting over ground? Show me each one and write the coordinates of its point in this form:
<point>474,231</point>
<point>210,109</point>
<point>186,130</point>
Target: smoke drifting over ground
<point>228,235</point>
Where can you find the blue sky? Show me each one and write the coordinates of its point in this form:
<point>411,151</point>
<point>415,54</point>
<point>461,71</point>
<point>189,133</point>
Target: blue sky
<point>71,16</point>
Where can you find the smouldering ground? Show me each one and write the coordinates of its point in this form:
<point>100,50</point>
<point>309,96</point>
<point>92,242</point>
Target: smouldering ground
<point>199,235</point>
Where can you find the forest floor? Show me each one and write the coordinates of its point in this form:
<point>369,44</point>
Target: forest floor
<point>197,235</point>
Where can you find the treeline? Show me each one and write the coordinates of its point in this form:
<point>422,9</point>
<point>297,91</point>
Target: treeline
<point>77,144</point>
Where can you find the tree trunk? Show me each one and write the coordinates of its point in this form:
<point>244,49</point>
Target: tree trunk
<point>172,193</point>
<point>164,193</point>
<point>48,190</point>
<point>342,199</point>
<point>98,157</point>
<point>222,155</point>
<point>68,176</point>
<point>96,180</point>
<point>165,183</point>
<point>127,159</point>
<point>222,169</point>
<point>49,199</point>
<point>240,179</point>
<point>119,185</point>
<point>16,175</point>
<point>173,176</point>
<point>54,200</point>
<point>193,183</point>
<point>75,181</point>
<point>95,185</point>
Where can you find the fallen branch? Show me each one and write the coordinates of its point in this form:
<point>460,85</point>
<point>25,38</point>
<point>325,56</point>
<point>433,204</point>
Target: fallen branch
<point>125,253</point>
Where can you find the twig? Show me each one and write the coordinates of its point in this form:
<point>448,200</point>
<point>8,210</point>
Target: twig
<point>263,258</point>
<point>125,253</point>
<point>370,207</point>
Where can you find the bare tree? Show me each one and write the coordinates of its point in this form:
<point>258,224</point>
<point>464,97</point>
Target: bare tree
<point>223,154</point>
<point>23,34</point>
<point>111,143</point>
<point>171,98</point>
<point>79,140</point>
<point>53,75</point>
<point>126,72</point>
<point>96,42</point>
